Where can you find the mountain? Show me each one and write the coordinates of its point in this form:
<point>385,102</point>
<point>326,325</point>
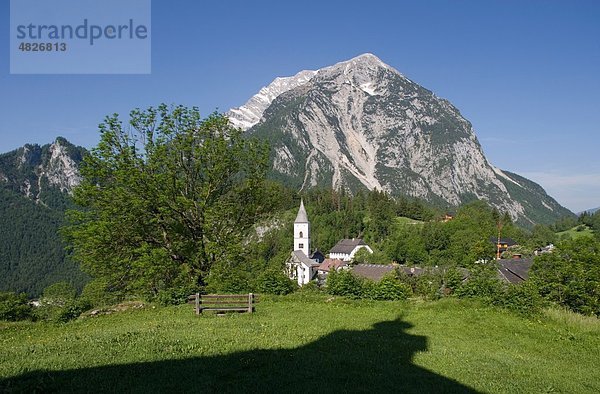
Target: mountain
<point>590,211</point>
<point>35,186</point>
<point>360,123</point>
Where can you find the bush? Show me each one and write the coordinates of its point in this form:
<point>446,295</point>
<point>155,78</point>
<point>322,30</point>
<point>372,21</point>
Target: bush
<point>175,296</point>
<point>522,298</point>
<point>61,313</point>
<point>60,304</point>
<point>452,280</point>
<point>59,293</point>
<point>344,283</point>
<point>274,281</point>
<point>428,285</point>
<point>310,287</point>
<point>97,294</point>
<point>388,288</point>
<point>482,283</point>
<point>228,278</point>
<point>15,307</point>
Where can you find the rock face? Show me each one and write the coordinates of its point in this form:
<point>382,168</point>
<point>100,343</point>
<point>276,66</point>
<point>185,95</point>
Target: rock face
<point>39,171</point>
<point>360,123</point>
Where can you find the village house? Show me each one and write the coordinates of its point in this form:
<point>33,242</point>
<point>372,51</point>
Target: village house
<point>345,249</point>
<point>502,243</point>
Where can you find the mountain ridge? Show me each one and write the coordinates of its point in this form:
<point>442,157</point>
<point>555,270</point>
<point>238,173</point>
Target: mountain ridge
<point>361,123</point>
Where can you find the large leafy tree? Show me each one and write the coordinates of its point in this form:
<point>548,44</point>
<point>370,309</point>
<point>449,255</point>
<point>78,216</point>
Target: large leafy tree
<point>166,198</point>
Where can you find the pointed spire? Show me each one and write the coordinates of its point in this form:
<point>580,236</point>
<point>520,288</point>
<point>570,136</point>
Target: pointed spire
<point>302,217</point>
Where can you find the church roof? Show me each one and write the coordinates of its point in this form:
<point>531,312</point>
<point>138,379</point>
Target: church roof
<point>346,246</point>
<point>302,217</point>
<point>302,258</point>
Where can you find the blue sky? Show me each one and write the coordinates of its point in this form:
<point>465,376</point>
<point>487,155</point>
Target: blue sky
<point>525,73</point>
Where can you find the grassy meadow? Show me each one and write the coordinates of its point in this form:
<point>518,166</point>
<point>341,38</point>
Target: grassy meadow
<point>306,343</point>
<point>574,234</point>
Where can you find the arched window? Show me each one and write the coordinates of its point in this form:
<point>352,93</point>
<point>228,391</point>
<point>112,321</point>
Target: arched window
<point>301,234</point>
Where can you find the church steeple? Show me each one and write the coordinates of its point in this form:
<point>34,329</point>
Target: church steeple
<point>302,231</point>
<point>301,217</point>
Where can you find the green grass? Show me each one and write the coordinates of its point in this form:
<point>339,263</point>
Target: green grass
<point>405,220</point>
<point>574,234</point>
<point>306,342</point>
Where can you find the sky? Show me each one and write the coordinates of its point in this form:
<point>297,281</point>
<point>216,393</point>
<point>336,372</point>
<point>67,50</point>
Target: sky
<point>526,74</point>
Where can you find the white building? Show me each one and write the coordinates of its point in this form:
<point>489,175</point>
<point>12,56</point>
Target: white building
<point>300,267</point>
<point>347,248</point>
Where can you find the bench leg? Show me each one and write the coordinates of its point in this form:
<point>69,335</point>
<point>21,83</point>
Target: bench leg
<point>198,310</point>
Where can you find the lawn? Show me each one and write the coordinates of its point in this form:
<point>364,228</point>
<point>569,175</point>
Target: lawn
<point>574,234</point>
<point>405,220</point>
<point>307,343</point>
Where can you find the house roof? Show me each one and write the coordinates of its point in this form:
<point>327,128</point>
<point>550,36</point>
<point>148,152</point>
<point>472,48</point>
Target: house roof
<point>514,270</point>
<point>318,256</point>
<point>508,241</point>
<point>346,246</point>
<point>372,271</point>
<point>302,217</point>
<point>329,264</point>
<point>412,271</point>
<point>302,258</point>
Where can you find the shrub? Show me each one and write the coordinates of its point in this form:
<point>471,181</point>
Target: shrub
<point>428,285</point>
<point>60,304</point>
<point>225,278</point>
<point>14,307</point>
<point>97,294</point>
<point>388,288</point>
<point>175,296</point>
<point>310,287</point>
<point>344,283</point>
<point>274,281</point>
<point>452,280</point>
<point>482,283</point>
<point>522,298</point>
<point>59,293</point>
<point>70,310</point>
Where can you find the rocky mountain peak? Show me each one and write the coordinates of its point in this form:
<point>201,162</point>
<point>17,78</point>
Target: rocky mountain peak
<point>61,168</point>
<point>34,170</point>
<point>361,123</point>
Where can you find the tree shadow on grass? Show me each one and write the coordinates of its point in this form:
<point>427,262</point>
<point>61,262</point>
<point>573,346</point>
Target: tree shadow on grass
<point>374,361</point>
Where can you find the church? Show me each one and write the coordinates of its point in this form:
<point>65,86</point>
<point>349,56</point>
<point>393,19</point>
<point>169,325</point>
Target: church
<point>303,266</point>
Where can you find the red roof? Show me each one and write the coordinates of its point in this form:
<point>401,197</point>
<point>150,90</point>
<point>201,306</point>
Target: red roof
<point>328,264</point>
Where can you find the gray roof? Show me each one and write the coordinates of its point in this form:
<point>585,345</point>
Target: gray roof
<point>514,270</point>
<point>372,271</point>
<point>412,271</point>
<point>347,245</point>
<point>302,217</point>
<point>302,258</point>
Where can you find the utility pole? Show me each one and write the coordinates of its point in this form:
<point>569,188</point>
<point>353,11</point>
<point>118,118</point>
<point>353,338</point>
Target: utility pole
<point>498,243</point>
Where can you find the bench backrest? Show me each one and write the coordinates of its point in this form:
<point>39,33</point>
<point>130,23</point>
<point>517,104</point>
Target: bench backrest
<point>223,302</point>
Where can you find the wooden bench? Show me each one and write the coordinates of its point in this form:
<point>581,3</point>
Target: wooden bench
<point>222,303</point>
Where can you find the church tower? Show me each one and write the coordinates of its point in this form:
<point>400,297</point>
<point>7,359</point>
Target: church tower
<point>302,231</point>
